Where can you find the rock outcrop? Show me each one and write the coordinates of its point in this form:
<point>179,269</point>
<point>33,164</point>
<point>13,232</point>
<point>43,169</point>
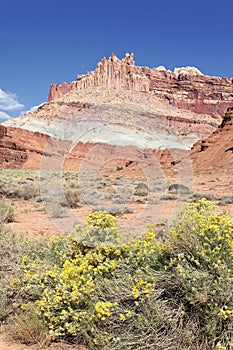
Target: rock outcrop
<point>11,154</point>
<point>216,150</point>
<point>185,88</point>
<point>177,108</point>
<point>25,149</point>
<point>122,105</point>
<point>21,148</point>
<point>58,90</point>
<point>115,73</point>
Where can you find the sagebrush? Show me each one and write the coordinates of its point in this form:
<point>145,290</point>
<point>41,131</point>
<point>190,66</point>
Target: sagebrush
<point>173,293</point>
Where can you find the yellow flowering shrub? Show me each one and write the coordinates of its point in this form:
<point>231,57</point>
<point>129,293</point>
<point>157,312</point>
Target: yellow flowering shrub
<point>225,312</point>
<point>201,240</point>
<point>94,288</point>
<point>100,227</point>
<point>72,288</point>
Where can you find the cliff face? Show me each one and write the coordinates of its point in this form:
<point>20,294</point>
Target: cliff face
<point>21,148</point>
<point>58,90</point>
<point>185,88</point>
<point>11,154</point>
<point>121,104</point>
<point>177,108</point>
<point>24,149</point>
<point>216,150</point>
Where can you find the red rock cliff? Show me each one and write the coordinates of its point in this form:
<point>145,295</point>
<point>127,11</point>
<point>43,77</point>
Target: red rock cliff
<point>21,148</point>
<point>216,150</point>
<point>185,88</point>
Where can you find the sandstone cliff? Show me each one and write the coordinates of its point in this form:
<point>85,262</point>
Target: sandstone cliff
<point>121,104</point>
<point>216,150</point>
<point>185,88</point>
<point>24,149</point>
<point>154,107</point>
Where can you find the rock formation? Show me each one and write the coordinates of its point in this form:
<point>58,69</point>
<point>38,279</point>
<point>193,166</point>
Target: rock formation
<point>11,154</point>
<point>185,88</point>
<point>25,149</point>
<point>21,148</point>
<point>58,90</point>
<point>120,105</point>
<point>216,150</point>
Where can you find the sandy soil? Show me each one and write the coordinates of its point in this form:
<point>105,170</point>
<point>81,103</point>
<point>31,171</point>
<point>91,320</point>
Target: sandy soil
<point>35,219</point>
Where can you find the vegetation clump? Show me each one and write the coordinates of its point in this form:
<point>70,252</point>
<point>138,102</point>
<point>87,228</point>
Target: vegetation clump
<point>170,293</point>
<point>6,212</point>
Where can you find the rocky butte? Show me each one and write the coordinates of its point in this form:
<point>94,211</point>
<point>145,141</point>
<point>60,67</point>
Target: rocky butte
<point>120,104</point>
<point>185,88</point>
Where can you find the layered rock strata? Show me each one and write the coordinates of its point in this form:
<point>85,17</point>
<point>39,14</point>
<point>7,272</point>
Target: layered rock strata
<point>121,104</point>
<point>216,150</point>
<point>24,149</point>
<point>185,88</point>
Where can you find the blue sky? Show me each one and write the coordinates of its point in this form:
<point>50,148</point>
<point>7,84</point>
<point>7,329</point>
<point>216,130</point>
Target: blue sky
<point>51,41</point>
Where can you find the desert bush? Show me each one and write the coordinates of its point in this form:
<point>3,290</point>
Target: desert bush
<point>24,191</point>
<point>225,200</point>
<point>73,198</point>
<point>71,293</point>
<point>196,197</point>
<point>117,210</point>
<point>178,188</point>
<point>28,191</point>
<point>122,198</point>
<point>141,189</point>
<point>29,328</point>
<point>168,197</point>
<point>10,270</point>
<point>6,212</point>
<point>174,293</point>
<point>56,210</point>
<point>202,268</point>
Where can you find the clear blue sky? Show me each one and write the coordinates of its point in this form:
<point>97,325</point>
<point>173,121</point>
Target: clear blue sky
<point>51,41</point>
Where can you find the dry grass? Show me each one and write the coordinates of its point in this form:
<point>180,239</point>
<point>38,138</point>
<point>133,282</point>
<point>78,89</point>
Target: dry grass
<point>29,329</point>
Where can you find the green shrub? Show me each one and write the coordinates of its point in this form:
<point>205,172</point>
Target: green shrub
<point>56,210</point>
<point>26,191</point>
<point>94,289</point>
<point>10,270</point>
<point>71,293</point>
<point>196,197</point>
<point>201,240</point>
<point>225,200</point>
<point>6,212</point>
